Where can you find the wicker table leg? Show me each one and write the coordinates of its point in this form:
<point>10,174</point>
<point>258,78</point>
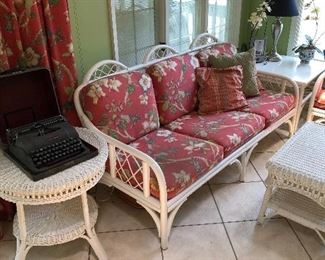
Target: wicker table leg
<point>22,247</point>
<point>267,196</point>
<point>91,236</point>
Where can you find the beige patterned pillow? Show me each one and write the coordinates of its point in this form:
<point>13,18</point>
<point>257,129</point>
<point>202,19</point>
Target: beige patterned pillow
<point>247,61</point>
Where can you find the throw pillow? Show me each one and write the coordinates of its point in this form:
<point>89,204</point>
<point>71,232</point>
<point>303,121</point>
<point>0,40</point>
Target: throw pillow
<point>247,61</point>
<point>220,89</point>
<point>225,48</point>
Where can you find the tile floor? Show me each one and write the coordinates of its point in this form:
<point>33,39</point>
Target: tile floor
<point>217,222</point>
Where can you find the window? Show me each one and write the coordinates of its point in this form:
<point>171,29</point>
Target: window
<point>217,18</point>
<point>182,23</point>
<point>302,26</point>
<point>136,25</point>
<point>140,24</point>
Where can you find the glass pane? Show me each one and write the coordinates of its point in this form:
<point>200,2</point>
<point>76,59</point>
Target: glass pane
<point>182,20</point>
<point>136,29</point>
<point>145,27</point>
<point>217,19</point>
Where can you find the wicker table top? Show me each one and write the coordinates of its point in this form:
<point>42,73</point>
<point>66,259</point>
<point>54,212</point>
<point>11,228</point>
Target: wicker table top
<point>299,164</point>
<point>16,187</point>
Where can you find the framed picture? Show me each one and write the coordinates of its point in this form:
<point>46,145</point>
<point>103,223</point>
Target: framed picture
<point>260,46</point>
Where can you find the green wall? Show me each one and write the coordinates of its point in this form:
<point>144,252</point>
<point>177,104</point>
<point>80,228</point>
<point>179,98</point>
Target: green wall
<point>250,6</point>
<point>90,21</point>
<point>90,24</point>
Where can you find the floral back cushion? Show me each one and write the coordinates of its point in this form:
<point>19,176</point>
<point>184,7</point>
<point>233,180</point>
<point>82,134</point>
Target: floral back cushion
<point>226,48</point>
<point>175,86</point>
<point>122,106</point>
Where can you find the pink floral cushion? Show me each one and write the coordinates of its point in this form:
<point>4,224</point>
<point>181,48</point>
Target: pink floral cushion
<point>320,99</point>
<point>226,48</point>
<point>228,129</point>
<point>122,106</point>
<point>272,106</point>
<point>220,89</point>
<point>175,86</point>
<point>183,160</point>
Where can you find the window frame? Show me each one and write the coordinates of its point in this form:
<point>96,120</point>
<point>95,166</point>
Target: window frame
<point>231,32</point>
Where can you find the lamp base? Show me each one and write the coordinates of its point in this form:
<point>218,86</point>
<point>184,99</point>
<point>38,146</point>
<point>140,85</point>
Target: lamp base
<point>274,57</point>
<point>277,27</point>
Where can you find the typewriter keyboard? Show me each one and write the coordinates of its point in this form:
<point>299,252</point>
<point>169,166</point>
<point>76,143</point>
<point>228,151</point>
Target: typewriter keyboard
<point>56,152</point>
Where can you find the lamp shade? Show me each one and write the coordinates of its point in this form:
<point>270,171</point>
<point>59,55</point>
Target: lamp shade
<point>283,8</point>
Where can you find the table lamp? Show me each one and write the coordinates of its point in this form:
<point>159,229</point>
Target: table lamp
<point>280,8</point>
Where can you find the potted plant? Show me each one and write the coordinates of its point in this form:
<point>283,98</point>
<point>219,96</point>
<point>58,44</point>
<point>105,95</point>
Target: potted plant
<point>307,50</point>
<point>257,18</point>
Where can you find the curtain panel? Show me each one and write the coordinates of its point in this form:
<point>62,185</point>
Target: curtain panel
<point>37,33</point>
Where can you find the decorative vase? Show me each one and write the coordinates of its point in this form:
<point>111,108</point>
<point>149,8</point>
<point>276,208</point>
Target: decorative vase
<point>306,55</point>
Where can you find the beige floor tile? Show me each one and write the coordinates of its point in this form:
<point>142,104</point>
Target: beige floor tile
<point>7,230</point>
<point>117,215</point>
<point>231,175</point>
<point>103,193</point>
<point>7,250</point>
<point>200,208</point>
<point>199,242</point>
<point>270,143</point>
<point>75,250</point>
<point>240,201</point>
<point>135,245</point>
<point>275,240</point>
<point>283,133</point>
<point>310,240</point>
<point>259,161</point>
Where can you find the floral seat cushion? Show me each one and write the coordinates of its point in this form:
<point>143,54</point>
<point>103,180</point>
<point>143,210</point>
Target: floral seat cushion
<point>175,86</point>
<point>272,106</point>
<point>122,106</point>
<point>183,160</point>
<point>228,129</point>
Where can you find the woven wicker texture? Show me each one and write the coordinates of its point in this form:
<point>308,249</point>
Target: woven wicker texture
<point>299,208</point>
<point>299,164</point>
<point>15,186</point>
<point>56,224</point>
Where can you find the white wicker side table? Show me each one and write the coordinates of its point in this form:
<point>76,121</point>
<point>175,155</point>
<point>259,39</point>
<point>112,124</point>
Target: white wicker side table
<point>296,179</point>
<point>63,212</point>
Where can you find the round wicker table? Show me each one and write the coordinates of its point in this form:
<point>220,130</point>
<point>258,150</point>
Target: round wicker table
<point>64,212</point>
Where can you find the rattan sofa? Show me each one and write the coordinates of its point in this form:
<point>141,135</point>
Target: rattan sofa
<point>134,168</point>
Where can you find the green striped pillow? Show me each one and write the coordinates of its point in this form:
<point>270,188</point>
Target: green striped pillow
<point>247,61</point>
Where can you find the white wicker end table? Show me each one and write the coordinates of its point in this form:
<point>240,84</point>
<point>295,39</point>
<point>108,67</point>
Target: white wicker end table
<point>296,179</point>
<point>64,212</point>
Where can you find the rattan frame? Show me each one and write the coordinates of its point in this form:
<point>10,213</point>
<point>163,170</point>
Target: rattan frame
<point>158,52</point>
<point>203,40</point>
<point>103,68</point>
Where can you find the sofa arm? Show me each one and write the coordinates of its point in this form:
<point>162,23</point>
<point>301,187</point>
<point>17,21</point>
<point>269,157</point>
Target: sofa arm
<point>279,83</point>
<point>118,151</point>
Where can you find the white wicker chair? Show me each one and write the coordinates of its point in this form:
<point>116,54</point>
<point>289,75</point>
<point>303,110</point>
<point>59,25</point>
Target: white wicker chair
<point>314,111</point>
<point>202,40</point>
<point>158,52</point>
<point>103,68</point>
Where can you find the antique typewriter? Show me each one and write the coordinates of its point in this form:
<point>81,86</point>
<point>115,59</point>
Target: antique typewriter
<point>46,147</point>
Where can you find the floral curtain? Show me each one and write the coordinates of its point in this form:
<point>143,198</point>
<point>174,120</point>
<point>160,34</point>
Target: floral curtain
<point>37,33</point>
